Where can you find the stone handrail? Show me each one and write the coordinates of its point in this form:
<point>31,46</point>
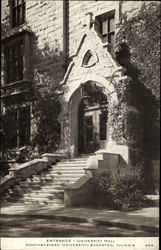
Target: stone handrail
<point>27,169</point>
<point>52,158</point>
<point>6,182</point>
<point>22,171</point>
<point>80,192</point>
<point>79,183</point>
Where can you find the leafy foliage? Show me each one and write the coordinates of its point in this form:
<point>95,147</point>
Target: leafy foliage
<point>142,35</point>
<point>95,93</point>
<point>138,51</point>
<point>47,73</point>
<point>103,187</point>
<point>128,187</point>
<point>121,189</point>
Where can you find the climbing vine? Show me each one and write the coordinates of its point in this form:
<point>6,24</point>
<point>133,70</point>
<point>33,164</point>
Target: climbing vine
<point>135,118</point>
<point>142,35</point>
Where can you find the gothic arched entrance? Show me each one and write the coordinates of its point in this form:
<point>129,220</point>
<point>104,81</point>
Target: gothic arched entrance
<point>92,118</point>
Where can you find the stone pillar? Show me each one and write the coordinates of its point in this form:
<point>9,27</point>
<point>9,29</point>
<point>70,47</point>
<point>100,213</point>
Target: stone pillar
<point>65,133</point>
<point>124,131</point>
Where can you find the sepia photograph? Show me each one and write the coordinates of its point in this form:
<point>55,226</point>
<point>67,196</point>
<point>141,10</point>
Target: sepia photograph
<point>80,125</point>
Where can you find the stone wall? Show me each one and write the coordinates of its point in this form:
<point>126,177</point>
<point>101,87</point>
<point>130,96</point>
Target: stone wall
<point>45,18</point>
<point>79,18</point>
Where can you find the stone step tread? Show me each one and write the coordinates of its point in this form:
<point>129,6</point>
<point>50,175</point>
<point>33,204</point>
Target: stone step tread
<point>45,193</point>
<point>37,183</point>
<point>45,203</point>
<point>55,186</point>
<point>44,190</point>
<point>22,204</point>
<point>70,164</point>
<point>40,192</point>
<point>56,174</point>
<point>55,181</point>
<point>34,198</point>
<point>44,199</point>
<point>72,161</point>
<point>52,188</point>
<point>58,184</point>
<point>75,159</point>
<point>43,196</point>
<point>67,171</point>
<point>57,178</point>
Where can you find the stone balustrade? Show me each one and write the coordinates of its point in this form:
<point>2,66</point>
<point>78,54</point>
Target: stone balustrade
<point>6,182</point>
<point>81,192</point>
<point>18,172</point>
<point>53,158</point>
<point>28,169</point>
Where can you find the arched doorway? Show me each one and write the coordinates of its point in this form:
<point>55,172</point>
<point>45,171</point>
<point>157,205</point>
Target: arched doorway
<point>92,118</point>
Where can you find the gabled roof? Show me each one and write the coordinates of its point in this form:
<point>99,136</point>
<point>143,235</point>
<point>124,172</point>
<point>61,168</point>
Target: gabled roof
<point>76,53</point>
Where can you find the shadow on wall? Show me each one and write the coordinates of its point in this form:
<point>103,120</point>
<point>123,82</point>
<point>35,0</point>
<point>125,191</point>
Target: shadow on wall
<point>147,104</point>
<point>47,70</point>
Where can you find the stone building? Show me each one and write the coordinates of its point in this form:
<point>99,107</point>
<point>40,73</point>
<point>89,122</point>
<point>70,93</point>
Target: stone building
<point>81,35</point>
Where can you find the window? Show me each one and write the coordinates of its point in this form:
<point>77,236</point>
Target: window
<point>87,58</point>
<point>105,25</point>
<point>89,128</point>
<point>17,127</point>
<point>17,12</point>
<point>103,121</point>
<point>24,127</point>
<point>90,58</point>
<point>108,29</point>
<point>10,129</point>
<point>14,62</point>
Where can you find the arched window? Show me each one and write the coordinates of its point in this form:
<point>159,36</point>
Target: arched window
<point>89,59</point>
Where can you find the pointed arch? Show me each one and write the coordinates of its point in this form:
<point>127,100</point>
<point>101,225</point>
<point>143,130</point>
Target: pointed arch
<point>90,58</point>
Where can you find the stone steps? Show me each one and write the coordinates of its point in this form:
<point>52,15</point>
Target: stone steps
<point>47,188</point>
<point>44,201</point>
<point>72,162</point>
<point>83,159</point>
<point>56,174</point>
<point>63,171</point>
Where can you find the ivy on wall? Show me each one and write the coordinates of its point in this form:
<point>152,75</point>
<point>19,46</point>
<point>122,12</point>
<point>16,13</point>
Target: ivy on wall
<point>47,73</point>
<point>138,51</point>
<point>142,35</point>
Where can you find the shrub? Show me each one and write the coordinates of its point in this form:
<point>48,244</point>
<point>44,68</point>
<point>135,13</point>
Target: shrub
<point>121,189</point>
<point>128,187</point>
<point>103,186</point>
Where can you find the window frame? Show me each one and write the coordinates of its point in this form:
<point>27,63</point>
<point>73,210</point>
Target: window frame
<point>15,72</point>
<point>103,116</point>
<point>15,11</point>
<point>11,130</point>
<point>15,129</point>
<point>24,130</point>
<point>25,36</point>
<point>99,24</point>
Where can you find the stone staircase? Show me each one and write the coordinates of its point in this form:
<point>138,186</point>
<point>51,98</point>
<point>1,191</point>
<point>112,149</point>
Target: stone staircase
<point>47,188</point>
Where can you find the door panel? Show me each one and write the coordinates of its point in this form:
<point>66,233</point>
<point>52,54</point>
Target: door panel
<point>94,130</point>
<point>88,123</point>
